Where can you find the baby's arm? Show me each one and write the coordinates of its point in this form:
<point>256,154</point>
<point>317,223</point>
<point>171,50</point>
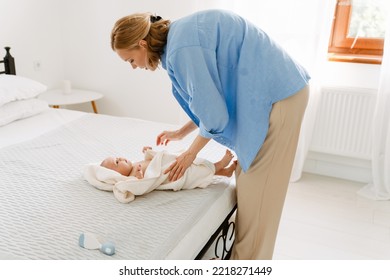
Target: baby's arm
<point>146,148</point>
<point>148,156</point>
<point>139,174</point>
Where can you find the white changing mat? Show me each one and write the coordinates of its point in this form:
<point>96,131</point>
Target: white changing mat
<point>46,203</point>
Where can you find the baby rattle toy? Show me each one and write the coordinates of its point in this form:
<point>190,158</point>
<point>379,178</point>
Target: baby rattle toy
<point>91,241</point>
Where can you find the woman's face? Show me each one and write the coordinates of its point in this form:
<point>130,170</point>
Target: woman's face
<point>137,57</point>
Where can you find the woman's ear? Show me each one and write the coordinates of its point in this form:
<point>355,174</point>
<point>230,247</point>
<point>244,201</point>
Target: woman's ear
<point>143,44</point>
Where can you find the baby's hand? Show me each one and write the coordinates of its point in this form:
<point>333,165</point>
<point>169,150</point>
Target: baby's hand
<point>138,173</point>
<point>146,148</point>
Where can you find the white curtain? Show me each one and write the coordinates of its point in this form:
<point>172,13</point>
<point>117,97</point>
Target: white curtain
<point>379,189</point>
<point>318,40</point>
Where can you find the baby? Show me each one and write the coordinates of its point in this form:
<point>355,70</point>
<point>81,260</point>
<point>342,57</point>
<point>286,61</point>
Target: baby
<point>137,169</point>
<point>128,180</point>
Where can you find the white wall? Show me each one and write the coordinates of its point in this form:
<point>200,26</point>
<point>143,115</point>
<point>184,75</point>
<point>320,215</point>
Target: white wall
<point>33,31</point>
<point>91,63</point>
<point>351,74</point>
<point>71,40</point>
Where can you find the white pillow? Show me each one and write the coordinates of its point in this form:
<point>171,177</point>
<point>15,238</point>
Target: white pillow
<point>21,109</point>
<point>14,87</point>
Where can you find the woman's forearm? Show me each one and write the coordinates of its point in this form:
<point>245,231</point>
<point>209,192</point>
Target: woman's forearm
<point>197,145</point>
<point>187,128</point>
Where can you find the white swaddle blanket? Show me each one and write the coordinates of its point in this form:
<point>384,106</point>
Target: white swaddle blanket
<point>199,175</point>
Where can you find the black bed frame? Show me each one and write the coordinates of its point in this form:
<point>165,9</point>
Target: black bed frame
<point>9,63</point>
<point>223,236</point>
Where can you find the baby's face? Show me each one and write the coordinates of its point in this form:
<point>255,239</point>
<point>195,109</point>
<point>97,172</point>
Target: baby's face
<point>118,164</point>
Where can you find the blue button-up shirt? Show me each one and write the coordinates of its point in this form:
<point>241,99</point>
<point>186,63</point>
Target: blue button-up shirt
<point>226,73</point>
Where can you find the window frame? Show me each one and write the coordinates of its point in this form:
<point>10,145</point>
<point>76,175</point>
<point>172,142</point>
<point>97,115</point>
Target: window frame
<point>365,50</point>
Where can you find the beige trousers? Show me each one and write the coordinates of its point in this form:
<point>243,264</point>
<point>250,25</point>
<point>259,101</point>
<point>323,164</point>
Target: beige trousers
<point>261,190</point>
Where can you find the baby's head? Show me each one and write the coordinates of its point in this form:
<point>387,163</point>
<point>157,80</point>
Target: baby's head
<point>118,164</point>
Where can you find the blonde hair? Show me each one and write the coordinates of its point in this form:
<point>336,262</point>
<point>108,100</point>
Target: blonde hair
<point>129,30</point>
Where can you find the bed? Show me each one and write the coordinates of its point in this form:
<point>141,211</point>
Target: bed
<point>45,203</point>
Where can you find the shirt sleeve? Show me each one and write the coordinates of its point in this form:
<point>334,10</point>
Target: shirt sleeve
<point>196,73</point>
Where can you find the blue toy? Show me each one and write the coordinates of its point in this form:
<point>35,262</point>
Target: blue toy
<point>92,241</point>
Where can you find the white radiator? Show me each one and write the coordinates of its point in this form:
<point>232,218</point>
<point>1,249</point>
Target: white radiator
<point>343,122</point>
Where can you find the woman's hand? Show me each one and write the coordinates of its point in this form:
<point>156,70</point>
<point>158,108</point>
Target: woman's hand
<point>176,170</point>
<point>164,137</point>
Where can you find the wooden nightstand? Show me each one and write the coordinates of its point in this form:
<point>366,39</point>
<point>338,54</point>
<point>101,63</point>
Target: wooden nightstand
<point>57,97</point>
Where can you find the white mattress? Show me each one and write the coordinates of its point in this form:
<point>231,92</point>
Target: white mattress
<point>46,204</point>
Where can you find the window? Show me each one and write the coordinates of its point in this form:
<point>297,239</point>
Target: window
<point>358,31</point>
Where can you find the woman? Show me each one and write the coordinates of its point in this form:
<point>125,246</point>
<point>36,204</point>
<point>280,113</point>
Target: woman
<point>240,89</point>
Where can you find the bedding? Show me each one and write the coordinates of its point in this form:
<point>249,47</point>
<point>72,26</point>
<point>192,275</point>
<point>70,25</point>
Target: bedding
<point>21,109</point>
<point>18,88</point>
<point>46,203</point>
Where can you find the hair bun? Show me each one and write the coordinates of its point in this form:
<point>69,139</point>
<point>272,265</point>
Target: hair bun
<point>153,19</point>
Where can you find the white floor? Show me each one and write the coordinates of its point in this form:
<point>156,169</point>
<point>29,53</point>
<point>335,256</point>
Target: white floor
<point>325,219</point>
